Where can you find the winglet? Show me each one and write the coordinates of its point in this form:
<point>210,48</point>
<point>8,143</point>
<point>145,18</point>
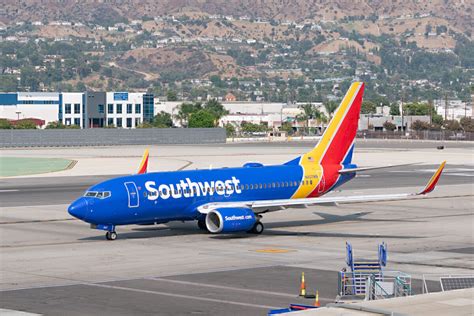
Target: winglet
<point>144,164</point>
<point>434,180</point>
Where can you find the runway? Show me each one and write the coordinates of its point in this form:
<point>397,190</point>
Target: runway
<point>55,265</point>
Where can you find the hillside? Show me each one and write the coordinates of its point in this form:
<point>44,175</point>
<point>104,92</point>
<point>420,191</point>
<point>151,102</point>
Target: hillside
<point>275,50</point>
<point>458,13</point>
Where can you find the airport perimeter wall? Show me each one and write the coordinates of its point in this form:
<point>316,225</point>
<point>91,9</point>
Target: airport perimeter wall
<point>106,137</point>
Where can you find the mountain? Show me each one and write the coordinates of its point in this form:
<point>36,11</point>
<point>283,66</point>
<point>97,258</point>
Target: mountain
<point>457,13</point>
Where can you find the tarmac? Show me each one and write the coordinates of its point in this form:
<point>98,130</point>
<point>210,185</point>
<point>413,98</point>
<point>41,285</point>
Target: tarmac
<point>53,264</point>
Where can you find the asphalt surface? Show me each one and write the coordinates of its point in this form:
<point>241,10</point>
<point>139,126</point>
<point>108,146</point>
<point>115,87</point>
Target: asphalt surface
<point>235,292</point>
<point>54,265</point>
<point>64,190</point>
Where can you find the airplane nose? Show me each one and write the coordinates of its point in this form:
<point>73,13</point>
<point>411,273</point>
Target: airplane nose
<point>78,208</point>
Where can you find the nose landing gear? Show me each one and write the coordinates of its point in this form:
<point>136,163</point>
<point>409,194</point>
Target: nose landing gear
<point>110,230</point>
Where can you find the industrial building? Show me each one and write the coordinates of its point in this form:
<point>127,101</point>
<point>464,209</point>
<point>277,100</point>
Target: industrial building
<point>130,109</point>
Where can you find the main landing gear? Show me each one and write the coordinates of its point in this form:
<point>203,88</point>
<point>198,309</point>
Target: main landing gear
<point>258,228</point>
<point>202,224</point>
<point>111,235</point>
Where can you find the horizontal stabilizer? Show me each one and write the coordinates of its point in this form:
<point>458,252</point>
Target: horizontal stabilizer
<point>352,170</point>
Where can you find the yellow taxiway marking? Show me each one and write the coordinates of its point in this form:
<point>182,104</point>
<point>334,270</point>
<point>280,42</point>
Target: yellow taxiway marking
<point>274,250</point>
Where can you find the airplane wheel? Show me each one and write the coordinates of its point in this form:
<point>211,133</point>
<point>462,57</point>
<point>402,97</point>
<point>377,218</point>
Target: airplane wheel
<point>257,228</point>
<point>202,224</point>
<point>111,235</point>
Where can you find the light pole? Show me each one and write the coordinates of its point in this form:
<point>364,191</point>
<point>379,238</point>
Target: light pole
<point>18,112</point>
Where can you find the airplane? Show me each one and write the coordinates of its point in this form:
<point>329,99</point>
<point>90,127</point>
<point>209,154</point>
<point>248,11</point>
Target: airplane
<point>233,200</point>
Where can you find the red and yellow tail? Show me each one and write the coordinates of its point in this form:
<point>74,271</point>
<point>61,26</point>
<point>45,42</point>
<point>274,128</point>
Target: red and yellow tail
<point>334,149</point>
<point>339,136</point>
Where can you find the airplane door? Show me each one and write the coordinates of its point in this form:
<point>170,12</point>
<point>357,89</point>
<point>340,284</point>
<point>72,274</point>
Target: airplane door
<point>322,184</point>
<point>133,198</point>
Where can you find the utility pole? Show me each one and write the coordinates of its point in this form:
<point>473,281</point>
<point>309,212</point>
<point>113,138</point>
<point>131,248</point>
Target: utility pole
<point>430,102</point>
<point>401,113</point>
<point>445,106</point>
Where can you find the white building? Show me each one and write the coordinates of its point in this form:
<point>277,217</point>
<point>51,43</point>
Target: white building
<point>71,109</point>
<point>22,105</point>
<point>87,110</point>
<point>124,109</point>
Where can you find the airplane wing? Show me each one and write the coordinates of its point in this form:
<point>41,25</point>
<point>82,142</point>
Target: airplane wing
<point>144,163</point>
<point>275,205</point>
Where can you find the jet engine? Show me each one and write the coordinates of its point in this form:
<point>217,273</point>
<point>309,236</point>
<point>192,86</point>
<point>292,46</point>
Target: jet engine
<point>230,220</point>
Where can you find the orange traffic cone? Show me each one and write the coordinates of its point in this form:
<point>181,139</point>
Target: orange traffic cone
<point>316,301</point>
<point>302,286</point>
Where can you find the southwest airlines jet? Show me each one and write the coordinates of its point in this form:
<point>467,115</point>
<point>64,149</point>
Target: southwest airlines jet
<point>231,200</point>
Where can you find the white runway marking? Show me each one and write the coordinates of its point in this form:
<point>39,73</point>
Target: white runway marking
<point>189,297</point>
<point>462,174</point>
<point>223,287</point>
<point>13,190</point>
<point>11,312</point>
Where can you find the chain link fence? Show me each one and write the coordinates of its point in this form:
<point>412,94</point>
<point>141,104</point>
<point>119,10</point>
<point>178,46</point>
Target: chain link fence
<point>422,135</point>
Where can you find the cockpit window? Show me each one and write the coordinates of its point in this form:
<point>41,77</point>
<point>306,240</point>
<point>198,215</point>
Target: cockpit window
<point>98,194</point>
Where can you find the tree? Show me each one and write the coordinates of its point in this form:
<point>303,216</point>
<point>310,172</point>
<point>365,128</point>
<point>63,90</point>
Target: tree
<point>452,125</point>
<point>201,119</point>
<point>171,96</point>
<point>420,125</point>
<point>185,110</point>
<point>55,125</point>
<point>25,124</point>
<point>389,126</point>
<point>230,129</point>
<point>467,124</point>
<point>145,125</point>
<point>216,108</point>
<point>81,86</point>
<point>286,127</point>
<point>330,107</point>
<point>162,120</point>
<point>5,124</point>
<point>394,109</point>
<point>247,127</point>
<point>368,107</point>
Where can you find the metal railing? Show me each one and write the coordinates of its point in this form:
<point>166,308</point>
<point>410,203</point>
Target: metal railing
<point>438,277</point>
<point>371,286</point>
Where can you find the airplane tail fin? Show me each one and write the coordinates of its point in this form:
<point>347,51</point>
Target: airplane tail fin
<point>337,143</point>
<point>144,163</point>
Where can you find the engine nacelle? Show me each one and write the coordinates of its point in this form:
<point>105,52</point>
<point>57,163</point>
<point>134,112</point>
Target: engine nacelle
<point>229,220</point>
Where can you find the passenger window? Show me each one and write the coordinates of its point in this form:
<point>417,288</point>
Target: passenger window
<point>260,186</point>
<point>246,187</point>
<point>311,182</point>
